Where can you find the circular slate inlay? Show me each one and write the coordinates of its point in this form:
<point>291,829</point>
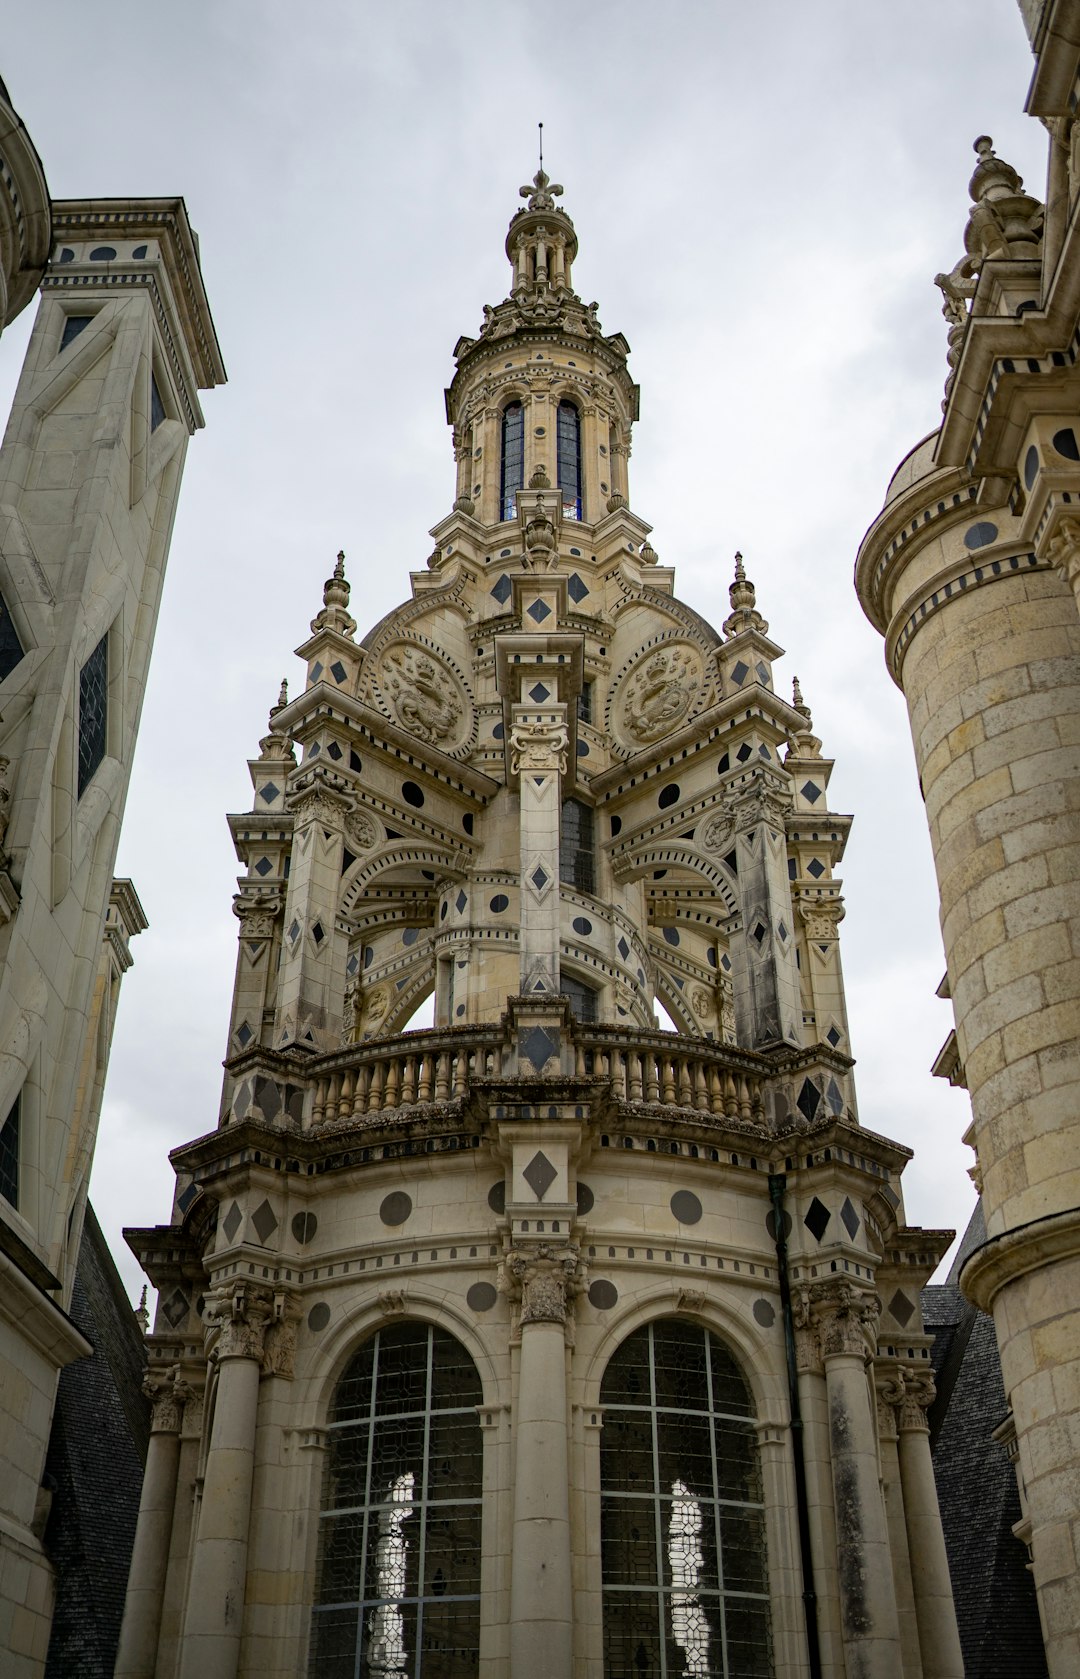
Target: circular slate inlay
<point>304,1226</point>
<point>669,795</point>
<point>497,1197</point>
<point>498,903</point>
<point>481,1297</point>
<point>396,1207</point>
<point>685,1206</point>
<point>582,925</point>
<point>764,1314</point>
<point>977,536</point>
<point>585,1199</point>
<point>411,793</point>
<point>603,1294</point>
<point>319,1316</point>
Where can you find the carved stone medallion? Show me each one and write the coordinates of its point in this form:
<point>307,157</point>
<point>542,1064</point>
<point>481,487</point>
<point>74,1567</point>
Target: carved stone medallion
<point>360,830</point>
<point>657,694</point>
<point>419,691</point>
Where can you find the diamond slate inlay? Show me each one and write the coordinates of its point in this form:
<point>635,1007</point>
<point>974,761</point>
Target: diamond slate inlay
<point>461,900</point>
<point>263,866</point>
<point>538,693</point>
<point>539,1046</point>
<point>338,671</point>
<point>901,1308</point>
<point>502,589</point>
<point>232,1221</point>
<point>811,792</point>
<point>263,1222</point>
<point>815,868</point>
<point>850,1218</point>
<point>575,588</point>
<point>539,878</point>
<point>538,611</point>
<point>834,1097</point>
<point>540,1174</point>
<point>176,1308</point>
<point>740,672</point>
<point>832,1036</point>
<point>270,792</point>
<point>244,1034</point>
<point>808,1100</point>
<point>623,949</point>
<point>817,1219</point>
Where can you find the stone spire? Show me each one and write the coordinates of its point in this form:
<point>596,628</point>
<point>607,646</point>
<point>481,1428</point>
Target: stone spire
<point>541,243</point>
<point>1005,220</point>
<point>334,614</point>
<point>276,744</point>
<point>743,597</point>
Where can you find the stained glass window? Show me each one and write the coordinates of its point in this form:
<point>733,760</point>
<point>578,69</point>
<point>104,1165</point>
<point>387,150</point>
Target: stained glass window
<point>93,712</point>
<point>398,1578</point>
<point>576,847</point>
<point>9,1155</point>
<point>682,1525</point>
<point>569,459</point>
<point>512,475</point>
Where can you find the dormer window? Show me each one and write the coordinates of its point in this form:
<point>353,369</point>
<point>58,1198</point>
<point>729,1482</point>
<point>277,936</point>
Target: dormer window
<point>512,472</point>
<point>569,459</point>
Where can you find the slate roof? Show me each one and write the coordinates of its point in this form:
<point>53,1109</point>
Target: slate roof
<point>97,1450</point>
<point>992,1587</point>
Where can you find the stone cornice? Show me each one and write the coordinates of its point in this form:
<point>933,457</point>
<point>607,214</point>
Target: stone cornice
<point>1015,1253</point>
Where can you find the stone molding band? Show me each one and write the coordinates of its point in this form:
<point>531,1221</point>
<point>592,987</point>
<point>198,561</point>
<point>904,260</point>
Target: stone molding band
<point>990,571</point>
<point>1015,1253</point>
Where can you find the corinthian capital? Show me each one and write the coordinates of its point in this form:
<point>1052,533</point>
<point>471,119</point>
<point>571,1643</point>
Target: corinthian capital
<point>846,1319</point>
<point>1063,549</point>
<point>919,1395</point>
<point>238,1316</point>
<point>545,1279</point>
<point>166,1398</point>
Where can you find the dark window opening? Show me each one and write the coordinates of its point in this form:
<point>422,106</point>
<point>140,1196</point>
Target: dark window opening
<point>584,703</point>
<point>157,407</point>
<point>93,712</point>
<point>569,459</point>
<point>576,846</point>
<point>581,997</point>
<point>11,648</point>
<point>9,1155</point>
<point>512,473</point>
<point>73,325</point>
<point>398,1575</point>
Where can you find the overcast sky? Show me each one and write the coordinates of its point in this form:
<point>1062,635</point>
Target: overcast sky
<point>762,195</point>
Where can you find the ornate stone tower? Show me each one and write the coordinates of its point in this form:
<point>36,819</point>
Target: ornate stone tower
<point>972,574</point>
<point>541,1342</point>
<point>90,473</point>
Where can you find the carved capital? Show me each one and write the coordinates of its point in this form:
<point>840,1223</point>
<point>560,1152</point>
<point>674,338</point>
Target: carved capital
<point>167,1401</point>
<point>890,1393</point>
<point>760,803</point>
<point>319,806</point>
<point>846,1319</point>
<point>538,746</point>
<point>237,1316</point>
<point>807,1344</point>
<point>1063,550</point>
<point>544,1279</point>
<point>919,1394</point>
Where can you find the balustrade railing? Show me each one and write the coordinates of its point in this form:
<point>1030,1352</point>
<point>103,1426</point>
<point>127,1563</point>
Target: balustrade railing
<point>421,1068</point>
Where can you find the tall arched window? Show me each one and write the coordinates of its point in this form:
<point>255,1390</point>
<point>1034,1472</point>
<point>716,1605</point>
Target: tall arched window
<point>512,460</point>
<point>568,424</point>
<point>576,846</point>
<point>398,1579</point>
<point>682,1524</point>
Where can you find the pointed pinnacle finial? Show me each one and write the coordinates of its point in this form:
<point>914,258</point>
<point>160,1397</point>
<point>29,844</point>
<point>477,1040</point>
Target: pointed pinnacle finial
<point>796,694</point>
<point>339,569</point>
<point>540,126</point>
<point>740,574</point>
<point>283,696</point>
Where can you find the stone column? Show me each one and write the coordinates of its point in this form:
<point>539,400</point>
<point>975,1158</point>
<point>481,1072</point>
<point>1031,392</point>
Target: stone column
<point>539,741</point>
<point>867,1600</point>
<point>890,1392</point>
<point>215,1604</point>
<point>939,1640</point>
<point>541,1585</point>
<point>137,1655</point>
<point>813,1402</point>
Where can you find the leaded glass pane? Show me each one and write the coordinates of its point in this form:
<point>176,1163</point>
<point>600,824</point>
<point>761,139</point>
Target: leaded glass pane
<point>568,425</point>
<point>93,712</point>
<point>9,1155</point>
<point>682,1525</point>
<point>576,846</point>
<point>11,648</point>
<point>398,1578</point>
<point>512,465</point>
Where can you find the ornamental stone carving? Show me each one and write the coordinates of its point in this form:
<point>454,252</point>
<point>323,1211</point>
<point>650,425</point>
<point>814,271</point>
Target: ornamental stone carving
<point>717,832</point>
<point>360,830</point>
<point>889,1395</point>
<point>919,1394</point>
<point>237,1317</point>
<point>545,1279</point>
<point>166,1397</point>
<point>701,1002</point>
<point>846,1319</point>
<point>821,921</point>
<point>538,746</point>
<point>421,694</point>
<point>658,694</point>
<point>1063,549</point>
<point>375,1005</point>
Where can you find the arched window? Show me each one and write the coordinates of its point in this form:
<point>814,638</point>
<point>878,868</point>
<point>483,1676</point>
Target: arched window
<point>512,469</point>
<point>398,1579</point>
<point>568,425</point>
<point>682,1528</point>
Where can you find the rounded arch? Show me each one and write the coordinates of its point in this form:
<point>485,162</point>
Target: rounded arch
<point>395,856</point>
<point>760,1362</point>
<point>639,860</point>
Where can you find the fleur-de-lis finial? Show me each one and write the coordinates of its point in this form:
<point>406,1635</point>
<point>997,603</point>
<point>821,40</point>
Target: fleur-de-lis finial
<point>542,192</point>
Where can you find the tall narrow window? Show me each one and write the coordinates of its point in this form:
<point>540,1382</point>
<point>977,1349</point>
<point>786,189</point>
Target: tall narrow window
<point>581,997</point>
<point>398,1578</point>
<point>9,1154</point>
<point>157,407</point>
<point>569,459</point>
<point>73,325</point>
<point>93,712</point>
<point>682,1526</point>
<point>512,473</point>
<point>584,703</point>
<point>576,846</point>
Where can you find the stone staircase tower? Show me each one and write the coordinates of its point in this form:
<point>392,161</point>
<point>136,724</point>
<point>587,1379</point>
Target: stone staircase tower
<point>540,1342</point>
